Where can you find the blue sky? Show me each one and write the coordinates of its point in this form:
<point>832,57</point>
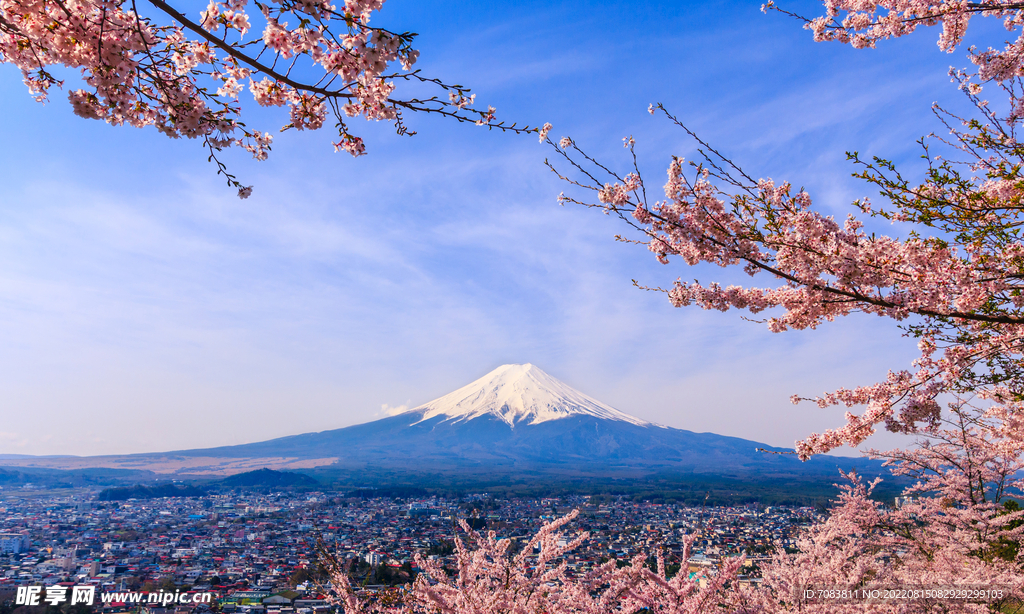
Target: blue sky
<point>143,307</point>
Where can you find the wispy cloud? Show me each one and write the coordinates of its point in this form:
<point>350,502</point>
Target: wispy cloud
<point>387,410</point>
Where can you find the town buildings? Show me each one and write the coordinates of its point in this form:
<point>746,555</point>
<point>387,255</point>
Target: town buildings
<point>255,552</point>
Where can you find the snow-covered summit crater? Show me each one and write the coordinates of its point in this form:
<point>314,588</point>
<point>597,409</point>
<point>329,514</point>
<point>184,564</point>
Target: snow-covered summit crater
<point>519,394</point>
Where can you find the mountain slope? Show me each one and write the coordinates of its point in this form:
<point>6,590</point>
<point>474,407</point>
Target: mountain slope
<point>519,418</point>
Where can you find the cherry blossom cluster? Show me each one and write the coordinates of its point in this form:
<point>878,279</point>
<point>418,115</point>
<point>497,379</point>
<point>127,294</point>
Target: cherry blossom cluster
<point>863,545</point>
<point>863,23</point>
<point>952,529</point>
<point>966,295</point>
<point>955,526</point>
<point>184,75</point>
<point>489,579</point>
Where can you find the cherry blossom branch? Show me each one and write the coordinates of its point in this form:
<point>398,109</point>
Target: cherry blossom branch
<point>140,73</point>
<point>235,53</point>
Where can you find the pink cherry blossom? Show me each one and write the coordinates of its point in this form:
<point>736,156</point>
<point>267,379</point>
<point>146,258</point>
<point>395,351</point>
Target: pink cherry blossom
<point>543,134</point>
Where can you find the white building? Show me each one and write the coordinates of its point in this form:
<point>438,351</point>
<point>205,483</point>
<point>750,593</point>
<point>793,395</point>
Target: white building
<point>13,543</point>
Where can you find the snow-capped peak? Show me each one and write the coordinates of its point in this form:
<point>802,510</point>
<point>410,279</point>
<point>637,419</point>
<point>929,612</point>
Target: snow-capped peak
<point>520,393</point>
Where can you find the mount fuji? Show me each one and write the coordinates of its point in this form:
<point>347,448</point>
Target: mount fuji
<point>518,394</point>
<point>517,418</point>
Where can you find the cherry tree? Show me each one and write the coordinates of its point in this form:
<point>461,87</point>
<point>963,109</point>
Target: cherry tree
<point>154,64</point>
<point>952,278</point>
<point>954,281</point>
<point>954,533</point>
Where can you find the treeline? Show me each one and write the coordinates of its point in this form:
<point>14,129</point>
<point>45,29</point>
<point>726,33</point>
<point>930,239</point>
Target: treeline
<point>684,489</point>
<point>268,478</point>
<point>149,492</point>
<point>681,489</point>
<point>16,477</point>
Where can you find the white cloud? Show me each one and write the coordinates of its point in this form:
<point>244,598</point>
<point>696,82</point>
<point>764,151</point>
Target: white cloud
<point>387,410</point>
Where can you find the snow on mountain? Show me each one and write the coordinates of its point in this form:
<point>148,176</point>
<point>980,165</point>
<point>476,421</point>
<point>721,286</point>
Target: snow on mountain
<point>519,394</point>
